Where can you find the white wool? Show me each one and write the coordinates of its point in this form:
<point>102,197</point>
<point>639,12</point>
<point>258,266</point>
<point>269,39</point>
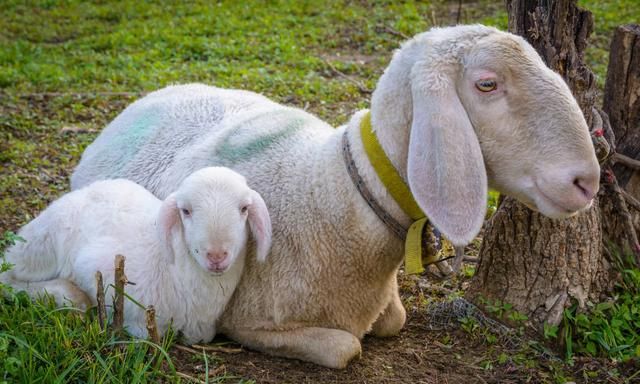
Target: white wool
<point>331,275</point>
<point>165,250</point>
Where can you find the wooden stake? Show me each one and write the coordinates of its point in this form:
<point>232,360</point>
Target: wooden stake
<point>102,309</point>
<point>152,326</point>
<point>118,301</point>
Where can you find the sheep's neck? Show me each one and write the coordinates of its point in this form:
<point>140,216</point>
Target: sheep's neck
<point>367,173</point>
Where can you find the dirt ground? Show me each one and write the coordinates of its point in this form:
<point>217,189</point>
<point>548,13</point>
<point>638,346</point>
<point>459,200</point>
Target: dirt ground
<point>417,355</point>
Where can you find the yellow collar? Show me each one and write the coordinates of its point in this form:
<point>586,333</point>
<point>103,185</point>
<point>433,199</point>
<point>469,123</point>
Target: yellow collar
<point>400,192</point>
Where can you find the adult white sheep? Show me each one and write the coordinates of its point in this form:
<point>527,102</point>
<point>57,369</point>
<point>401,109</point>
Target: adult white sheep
<point>456,109</point>
<point>185,254</point>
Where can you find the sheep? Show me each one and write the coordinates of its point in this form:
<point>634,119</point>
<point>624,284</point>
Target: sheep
<point>185,254</point>
<point>458,109</point>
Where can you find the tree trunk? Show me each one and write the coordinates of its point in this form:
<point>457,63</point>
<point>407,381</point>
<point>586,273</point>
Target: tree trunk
<point>622,104</point>
<point>532,262</point>
<point>622,96</point>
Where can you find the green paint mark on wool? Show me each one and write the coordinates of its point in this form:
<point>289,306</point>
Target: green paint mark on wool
<point>283,123</point>
<point>128,143</point>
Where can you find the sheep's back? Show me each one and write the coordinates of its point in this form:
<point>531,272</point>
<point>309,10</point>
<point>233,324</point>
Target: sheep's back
<point>160,139</point>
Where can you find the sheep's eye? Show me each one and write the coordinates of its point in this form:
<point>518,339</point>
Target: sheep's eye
<point>244,209</point>
<point>486,85</point>
<point>186,212</point>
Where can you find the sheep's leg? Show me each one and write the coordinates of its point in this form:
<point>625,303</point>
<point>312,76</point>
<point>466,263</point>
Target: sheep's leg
<point>331,348</point>
<point>63,291</point>
<point>392,319</point>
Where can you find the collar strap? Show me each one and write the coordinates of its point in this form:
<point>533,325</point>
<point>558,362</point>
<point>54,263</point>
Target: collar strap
<point>397,188</point>
<point>393,225</point>
<point>386,172</point>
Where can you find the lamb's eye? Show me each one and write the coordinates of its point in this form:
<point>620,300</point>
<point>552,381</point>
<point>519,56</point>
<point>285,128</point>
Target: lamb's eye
<point>486,85</point>
<point>186,212</point>
<point>244,209</point>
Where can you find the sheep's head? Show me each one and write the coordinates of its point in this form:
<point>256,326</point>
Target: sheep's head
<point>486,110</point>
<point>533,136</point>
<point>210,214</point>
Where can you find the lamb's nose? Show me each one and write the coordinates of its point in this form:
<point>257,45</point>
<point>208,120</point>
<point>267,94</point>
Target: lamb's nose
<point>217,255</point>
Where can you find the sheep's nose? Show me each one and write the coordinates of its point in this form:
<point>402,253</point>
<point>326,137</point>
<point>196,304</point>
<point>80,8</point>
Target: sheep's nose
<point>217,256</point>
<point>587,185</point>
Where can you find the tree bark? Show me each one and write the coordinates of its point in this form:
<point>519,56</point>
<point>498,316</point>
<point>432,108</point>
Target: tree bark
<point>622,104</point>
<point>538,264</point>
<point>622,98</point>
<point>534,263</point>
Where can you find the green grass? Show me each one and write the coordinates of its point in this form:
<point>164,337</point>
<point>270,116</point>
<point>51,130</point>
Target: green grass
<point>45,344</point>
<point>40,342</point>
<point>607,16</point>
<point>610,328</point>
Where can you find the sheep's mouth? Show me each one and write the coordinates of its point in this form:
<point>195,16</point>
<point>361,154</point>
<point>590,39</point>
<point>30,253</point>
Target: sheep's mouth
<point>557,210</point>
<point>217,269</point>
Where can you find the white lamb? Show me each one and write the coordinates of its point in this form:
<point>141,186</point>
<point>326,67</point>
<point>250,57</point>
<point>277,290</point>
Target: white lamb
<point>185,254</point>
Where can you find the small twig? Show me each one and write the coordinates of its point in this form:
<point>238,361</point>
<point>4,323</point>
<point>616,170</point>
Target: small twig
<point>79,94</point>
<point>118,301</point>
<point>395,32</point>
<point>217,348</point>
<point>185,376</point>
<point>360,86</point>
<point>75,129</point>
<point>102,309</point>
<point>471,259</point>
<point>418,358</point>
<point>457,261</point>
<point>626,161</point>
<point>207,348</point>
<point>220,369</point>
<point>436,288</point>
<point>630,199</point>
<point>459,14</point>
<point>444,268</point>
<point>434,20</point>
<point>152,326</point>
<point>187,349</point>
<point>627,221</point>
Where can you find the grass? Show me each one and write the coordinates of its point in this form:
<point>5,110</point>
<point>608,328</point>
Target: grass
<point>68,67</point>
<point>42,343</point>
<point>610,328</point>
<point>607,15</point>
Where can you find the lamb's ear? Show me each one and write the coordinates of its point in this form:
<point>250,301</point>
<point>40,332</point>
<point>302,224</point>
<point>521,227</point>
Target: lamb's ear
<point>260,225</point>
<point>445,165</point>
<point>168,220</point>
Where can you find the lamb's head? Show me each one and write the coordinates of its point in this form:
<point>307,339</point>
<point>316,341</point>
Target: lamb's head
<point>209,217</point>
<point>486,110</point>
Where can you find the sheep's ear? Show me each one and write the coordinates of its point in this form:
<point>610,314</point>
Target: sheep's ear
<point>168,219</point>
<point>260,225</point>
<point>445,165</point>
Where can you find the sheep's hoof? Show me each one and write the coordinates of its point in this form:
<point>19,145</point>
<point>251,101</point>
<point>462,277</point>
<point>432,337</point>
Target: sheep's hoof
<point>340,348</point>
